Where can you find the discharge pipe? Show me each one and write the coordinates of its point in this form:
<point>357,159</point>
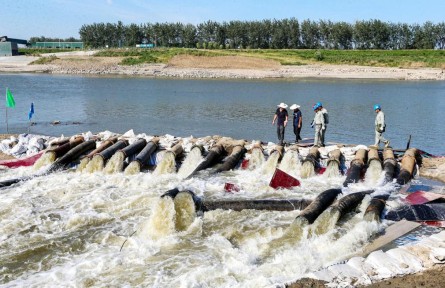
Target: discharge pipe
<point>389,164</point>
<point>407,166</point>
<point>62,162</point>
<point>107,153</point>
<point>176,150</point>
<point>237,154</point>
<point>278,149</point>
<point>320,203</point>
<point>64,148</point>
<point>375,208</point>
<point>144,155</point>
<point>313,156</point>
<point>214,156</point>
<point>72,155</point>
<point>104,145</point>
<point>134,148</point>
<point>354,172</point>
<point>310,163</point>
<point>349,202</point>
<point>239,205</point>
<point>335,157</point>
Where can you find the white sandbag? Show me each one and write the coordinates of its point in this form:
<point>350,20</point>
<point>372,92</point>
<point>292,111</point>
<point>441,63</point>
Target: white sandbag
<point>384,265</point>
<point>413,263</point>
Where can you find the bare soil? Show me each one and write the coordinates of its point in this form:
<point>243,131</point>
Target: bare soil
<point>222,62</point>
<point>187,66</point>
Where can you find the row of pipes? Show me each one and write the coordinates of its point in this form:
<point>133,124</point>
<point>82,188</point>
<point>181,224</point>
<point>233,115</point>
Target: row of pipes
<point>233,151</point>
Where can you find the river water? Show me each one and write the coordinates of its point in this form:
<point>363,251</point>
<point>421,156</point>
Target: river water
<point>242,109</point>
<point>83,229</point>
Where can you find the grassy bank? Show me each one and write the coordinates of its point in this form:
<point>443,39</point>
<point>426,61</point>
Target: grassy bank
<point>381,58</point>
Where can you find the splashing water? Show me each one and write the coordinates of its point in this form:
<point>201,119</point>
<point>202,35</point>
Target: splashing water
<point>332,170</point>
<point>190,163</point>
<point>96,164</point>
<point>290,163</point>
<point>83,164</point>
<point>116,163</point>
<point>291,236</point>
<point>167,165</point>
<point>373,172</point>
<point>325,222</point>
<point>307,170</point>
<point>161,222</point>
<point>46,159</point>
<point>185,211</point>
<point>256,159</point>
<point>271,163</point>
<point>133,168</point>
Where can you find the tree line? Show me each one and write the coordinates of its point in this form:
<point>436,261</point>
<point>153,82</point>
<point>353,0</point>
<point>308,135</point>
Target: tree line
<point>269,34</point>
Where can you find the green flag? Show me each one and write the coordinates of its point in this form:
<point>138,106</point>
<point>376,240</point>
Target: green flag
<point>10,102</point>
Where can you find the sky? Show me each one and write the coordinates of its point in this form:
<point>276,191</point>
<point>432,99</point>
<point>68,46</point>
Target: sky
<point>24,19</point>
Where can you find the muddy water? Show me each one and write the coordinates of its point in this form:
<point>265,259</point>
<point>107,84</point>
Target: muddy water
<point>100,229</point>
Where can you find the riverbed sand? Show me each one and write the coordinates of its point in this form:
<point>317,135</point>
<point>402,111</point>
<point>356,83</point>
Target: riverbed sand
<point>187,66</point>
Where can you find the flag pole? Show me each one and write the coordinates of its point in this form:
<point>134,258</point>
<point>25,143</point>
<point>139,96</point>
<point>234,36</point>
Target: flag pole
<point>7,128</point>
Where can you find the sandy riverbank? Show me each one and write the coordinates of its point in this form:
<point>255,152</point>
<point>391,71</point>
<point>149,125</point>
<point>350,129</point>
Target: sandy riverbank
<point>84,63</point>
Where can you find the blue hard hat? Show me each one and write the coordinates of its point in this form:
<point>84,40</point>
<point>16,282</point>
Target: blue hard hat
<point>315,107</point>
<point>377,106</point>
<point>319,104</point>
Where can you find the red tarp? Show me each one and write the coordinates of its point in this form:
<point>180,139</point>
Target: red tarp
<point>245,164</point>
<point>230,187</point>
<point>14,163</point>
<point>434,223</point>
<point>281,179</point>
<point>421,197</point>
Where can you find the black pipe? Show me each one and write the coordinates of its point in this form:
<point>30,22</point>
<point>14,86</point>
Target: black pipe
<point>350,202</point>
<point>134,148</point>
<point>354,173</point>
<point>102,147</point>
<point>239,205</point>
<point>233,159</point>
<point>175,191</point>
<point>320,203</point>
<point>145,154</point>
<point>107,153</point>
<point>72,155</point>
<point>214,156</point>
<point>271,205</point>
<point>375,208</point>
<point>404,177</point>
<point>389,166</point>
<point>62,162</point>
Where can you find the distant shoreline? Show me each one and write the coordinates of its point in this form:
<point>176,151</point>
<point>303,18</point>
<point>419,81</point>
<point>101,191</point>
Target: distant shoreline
<point>212,68</point>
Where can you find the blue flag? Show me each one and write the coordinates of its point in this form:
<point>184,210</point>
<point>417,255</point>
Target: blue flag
<point>31,111</point>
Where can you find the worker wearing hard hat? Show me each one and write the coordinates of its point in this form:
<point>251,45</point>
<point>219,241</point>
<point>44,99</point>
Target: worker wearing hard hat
<point>319,125</point>
<point>380,126</point>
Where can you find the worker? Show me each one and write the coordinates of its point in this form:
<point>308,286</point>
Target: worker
<point>319,125</point>
<point>380,127</point>
<point>297,121</point>
<point>280,116</point>
<point>326,122</point>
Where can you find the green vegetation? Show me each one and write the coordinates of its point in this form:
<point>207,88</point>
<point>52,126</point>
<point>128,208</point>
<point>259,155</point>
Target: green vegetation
<point>385,58</point>
<point>269,34</point>
<point>44,60</point>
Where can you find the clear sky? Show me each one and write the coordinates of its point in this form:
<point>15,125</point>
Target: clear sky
<point>63,18</point>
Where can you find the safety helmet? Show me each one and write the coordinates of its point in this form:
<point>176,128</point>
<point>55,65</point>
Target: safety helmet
<point>315,107</point>
<point>319,104</point>
<point>377,106</point>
